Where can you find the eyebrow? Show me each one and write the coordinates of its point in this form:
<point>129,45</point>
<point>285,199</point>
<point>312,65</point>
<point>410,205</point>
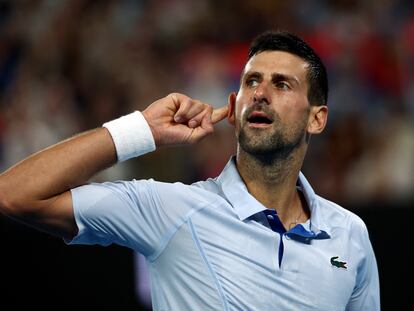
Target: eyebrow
<point>284,77</point>
<point>275,76</point>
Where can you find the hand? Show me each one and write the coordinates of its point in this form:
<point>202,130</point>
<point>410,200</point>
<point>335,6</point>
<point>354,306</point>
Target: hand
<point>178,119</point>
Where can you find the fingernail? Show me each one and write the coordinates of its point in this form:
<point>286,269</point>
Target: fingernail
<point>177,119</point>
<point>192,123</point>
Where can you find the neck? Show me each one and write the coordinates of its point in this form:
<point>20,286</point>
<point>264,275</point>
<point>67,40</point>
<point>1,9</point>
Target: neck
<point>272,181</point>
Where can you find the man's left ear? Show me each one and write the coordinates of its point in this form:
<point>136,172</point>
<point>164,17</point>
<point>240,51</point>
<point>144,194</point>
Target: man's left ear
<point>317,119</point>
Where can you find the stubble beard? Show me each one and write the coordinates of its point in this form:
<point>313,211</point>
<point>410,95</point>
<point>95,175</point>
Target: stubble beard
<point>270,145</point>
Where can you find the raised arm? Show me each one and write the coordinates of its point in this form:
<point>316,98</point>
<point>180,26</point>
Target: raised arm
<point>36,190</point>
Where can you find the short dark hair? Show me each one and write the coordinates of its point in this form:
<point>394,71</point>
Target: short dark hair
<point>287,42</point>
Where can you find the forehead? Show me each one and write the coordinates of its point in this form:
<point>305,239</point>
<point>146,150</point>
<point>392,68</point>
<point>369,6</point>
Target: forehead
<point>269,62</point>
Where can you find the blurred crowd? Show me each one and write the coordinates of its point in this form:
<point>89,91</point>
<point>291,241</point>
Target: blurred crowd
<point>70,65</point>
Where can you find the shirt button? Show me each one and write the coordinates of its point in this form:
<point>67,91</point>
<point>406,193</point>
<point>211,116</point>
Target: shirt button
<point>270,217</point>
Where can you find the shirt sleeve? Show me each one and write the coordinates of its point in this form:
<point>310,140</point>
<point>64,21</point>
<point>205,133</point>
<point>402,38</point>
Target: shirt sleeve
<point>366,294</point>
<point>128,213</point>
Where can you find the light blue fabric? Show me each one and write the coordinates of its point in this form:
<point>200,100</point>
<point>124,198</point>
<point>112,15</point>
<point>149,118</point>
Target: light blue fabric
<point>209,246</point>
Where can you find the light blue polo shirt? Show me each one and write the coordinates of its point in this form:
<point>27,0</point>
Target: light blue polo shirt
<point>209,246</point>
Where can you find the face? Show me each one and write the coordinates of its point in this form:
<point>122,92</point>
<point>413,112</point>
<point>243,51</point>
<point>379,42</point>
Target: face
<point>271,111</point>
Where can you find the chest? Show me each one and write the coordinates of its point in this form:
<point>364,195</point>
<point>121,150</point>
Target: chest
<point>244,258</point>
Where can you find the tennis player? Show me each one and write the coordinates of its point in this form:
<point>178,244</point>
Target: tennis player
<point>257,237</point>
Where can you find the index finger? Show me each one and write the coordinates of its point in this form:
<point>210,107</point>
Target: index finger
<point>219,114</point>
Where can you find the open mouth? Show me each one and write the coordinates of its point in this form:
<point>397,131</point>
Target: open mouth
<point>258,118</point>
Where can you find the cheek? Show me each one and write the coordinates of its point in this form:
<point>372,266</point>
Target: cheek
<point>238,117</point>
<point>296,108</point>
<point>240,113</point>
<point>240,107</point>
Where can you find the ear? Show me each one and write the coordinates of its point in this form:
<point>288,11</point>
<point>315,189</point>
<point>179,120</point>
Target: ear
<point>232,108</point>
<point>317,119</point>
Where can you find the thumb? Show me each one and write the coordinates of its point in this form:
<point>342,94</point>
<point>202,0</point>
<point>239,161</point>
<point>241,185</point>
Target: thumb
<point>219,114</point>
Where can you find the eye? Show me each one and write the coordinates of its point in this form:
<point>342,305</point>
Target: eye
<point>252,81</point>
<point>282,85</point>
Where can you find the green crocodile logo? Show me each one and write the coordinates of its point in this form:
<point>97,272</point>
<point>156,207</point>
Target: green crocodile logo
<point>338,264</point>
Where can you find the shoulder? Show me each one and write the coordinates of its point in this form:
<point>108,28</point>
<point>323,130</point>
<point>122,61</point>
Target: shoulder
<point>200,193</point>
<point>339,218</point>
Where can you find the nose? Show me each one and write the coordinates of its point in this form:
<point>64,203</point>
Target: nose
<point>260,94</point>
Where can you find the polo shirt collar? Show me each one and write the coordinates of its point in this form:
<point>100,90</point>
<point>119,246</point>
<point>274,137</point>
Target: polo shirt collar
<point>235,190</point>
<point>245,205</point>
<point>317,221</point>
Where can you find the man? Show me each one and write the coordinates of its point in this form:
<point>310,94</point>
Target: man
<point>255,238</point>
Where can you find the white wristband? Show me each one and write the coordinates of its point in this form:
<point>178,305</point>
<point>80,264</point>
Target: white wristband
<point>132,136</point>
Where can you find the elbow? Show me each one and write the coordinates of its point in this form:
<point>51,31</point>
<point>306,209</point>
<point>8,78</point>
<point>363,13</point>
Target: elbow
<point>15,201</point>
<point>8,206</point>
<point>4,197</point>
<point>15,208</point>
<point>11,205</point>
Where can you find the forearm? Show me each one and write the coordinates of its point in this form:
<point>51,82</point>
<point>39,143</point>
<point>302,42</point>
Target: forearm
<point>36,190</point>
<point>57,168</point>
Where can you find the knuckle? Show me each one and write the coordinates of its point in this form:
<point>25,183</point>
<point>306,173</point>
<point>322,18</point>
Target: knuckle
<point>173,95</point>
<point>188,101</point>
<point>195,102</point>
<point>176,94</point>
